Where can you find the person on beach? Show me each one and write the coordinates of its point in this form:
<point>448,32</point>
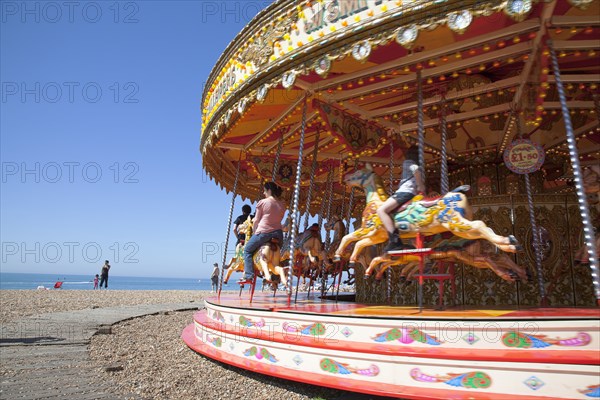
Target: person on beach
<point>266,226</point>
<point>214,278</point>
<point>96,282</point>
<point>104,275</point>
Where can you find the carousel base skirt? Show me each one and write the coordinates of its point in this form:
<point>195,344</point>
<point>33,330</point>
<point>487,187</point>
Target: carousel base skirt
<point>457,353</point>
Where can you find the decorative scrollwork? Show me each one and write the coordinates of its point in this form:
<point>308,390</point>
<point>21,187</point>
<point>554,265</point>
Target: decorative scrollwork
<point>261,49</point>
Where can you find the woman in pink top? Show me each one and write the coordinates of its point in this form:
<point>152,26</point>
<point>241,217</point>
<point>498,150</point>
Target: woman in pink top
<point>267,226</point>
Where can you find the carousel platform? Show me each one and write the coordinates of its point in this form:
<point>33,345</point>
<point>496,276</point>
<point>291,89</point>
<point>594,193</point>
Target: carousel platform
<point>456,353</point>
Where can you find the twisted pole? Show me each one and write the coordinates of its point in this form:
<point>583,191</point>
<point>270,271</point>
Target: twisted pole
<point>234,191</point>
<point>277,155</point>
<point>313,168</point>
<point>445,186</point>
<point>536,241</point>
<point>420,124</point>
<point>323,204</point>
<point>534,229</point>
<point>421,138</point>
<point>348,219</point>
<point>296,198</point>
<point>351,200</point>
<point>327,231</point>
<point>329,201</point>
<point>391,165</point>
<point>588,230</point>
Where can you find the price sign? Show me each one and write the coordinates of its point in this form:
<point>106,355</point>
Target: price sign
<point>523,156</point>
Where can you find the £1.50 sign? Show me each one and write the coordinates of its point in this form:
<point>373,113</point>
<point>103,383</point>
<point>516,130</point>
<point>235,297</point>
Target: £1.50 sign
<point>523,156</point>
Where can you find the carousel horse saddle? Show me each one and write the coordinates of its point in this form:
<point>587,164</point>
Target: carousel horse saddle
<point>306,236</point>
<point>425,203</point>
<point>432,202</point>
<point>274,244</point>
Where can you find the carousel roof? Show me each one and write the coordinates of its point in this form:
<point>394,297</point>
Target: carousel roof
<point>354,69</point>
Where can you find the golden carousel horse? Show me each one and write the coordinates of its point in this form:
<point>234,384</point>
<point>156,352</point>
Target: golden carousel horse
<point>266,258</point>
<point>476,253</point>
<point>236,264</point>
<point>448,213</point>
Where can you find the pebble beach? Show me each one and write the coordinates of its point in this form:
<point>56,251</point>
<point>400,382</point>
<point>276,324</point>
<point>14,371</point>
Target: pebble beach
<point>154,362</point>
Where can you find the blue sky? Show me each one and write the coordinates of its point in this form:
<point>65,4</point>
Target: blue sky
<point>100,129</point>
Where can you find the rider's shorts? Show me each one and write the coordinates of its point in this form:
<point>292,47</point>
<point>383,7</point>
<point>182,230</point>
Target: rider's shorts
<point>402,197</point>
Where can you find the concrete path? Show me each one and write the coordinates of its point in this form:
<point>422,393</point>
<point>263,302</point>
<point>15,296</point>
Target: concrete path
<point>49,352</point>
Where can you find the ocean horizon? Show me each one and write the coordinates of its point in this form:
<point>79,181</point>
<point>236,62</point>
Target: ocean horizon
<point>25,281</point>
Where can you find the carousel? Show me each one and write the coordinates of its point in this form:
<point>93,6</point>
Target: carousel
<point>498,293</point>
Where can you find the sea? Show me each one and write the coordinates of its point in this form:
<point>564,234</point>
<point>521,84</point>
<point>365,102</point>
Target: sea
<point>85,282</point>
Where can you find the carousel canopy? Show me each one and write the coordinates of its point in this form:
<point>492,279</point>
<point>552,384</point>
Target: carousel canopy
<point>348,74</point>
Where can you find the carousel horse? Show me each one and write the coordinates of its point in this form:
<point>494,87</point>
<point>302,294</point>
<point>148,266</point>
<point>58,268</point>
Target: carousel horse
<point>476,253</point>
<point>448,213</point>
<point>266,259</point>
<point>336,225</point>
<point>364,258</point>
<point>309,253</point>
<point>236,264</point>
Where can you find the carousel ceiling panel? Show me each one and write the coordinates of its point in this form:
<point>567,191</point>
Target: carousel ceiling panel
<point>277,97</point>
<point>348,65</point>
<point>585,33</point>
<point>260,112</point>
<point>313,77</point>
<point>389,99</point>
<point>387,53</point>
<point>439,37</point>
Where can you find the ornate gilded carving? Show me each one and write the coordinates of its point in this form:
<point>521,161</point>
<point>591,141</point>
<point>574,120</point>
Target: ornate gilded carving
<point>286,170</point>
<point>484,186</point>
<point>357,133</point>
<point>512,184</point>
<point>583,287</point>
<point>259,51</point>
<point>551,220</point>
